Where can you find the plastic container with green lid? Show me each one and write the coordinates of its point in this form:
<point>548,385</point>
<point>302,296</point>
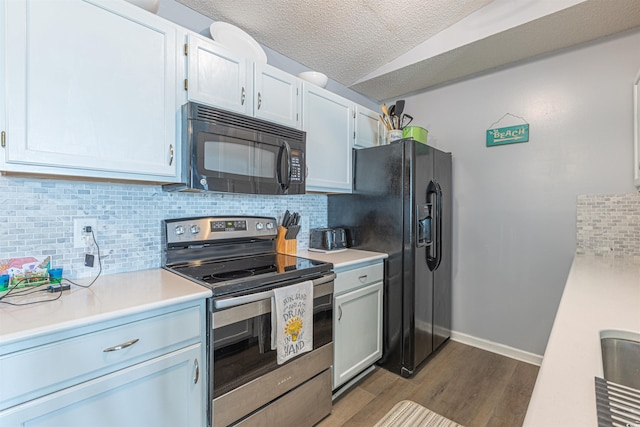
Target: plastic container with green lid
<point>415,132</point>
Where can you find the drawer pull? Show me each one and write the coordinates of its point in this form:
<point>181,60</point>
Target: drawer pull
<point>363,278</point>
<point>339,313</point>
<point>197,374</point>
<point>121,346</point>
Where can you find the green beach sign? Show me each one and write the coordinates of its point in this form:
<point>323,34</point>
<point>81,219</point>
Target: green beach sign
<point>508,135</point>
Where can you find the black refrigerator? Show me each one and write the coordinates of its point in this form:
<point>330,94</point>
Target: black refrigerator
<point>401,204</point>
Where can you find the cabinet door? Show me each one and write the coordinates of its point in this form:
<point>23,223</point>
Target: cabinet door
<point>327,119</point>
<point>218,77</point>
<point>276,96</point>
<point>165,391</point>
<point>368,128</point>
<point>91,92</point>
<point>357,332</point>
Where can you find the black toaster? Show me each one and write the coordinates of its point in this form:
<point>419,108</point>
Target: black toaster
<point>327,239</point>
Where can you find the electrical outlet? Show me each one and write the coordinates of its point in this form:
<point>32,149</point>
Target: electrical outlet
<point>81,239</point>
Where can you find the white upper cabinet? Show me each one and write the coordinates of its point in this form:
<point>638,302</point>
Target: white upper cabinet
<point>327,118</point>
<point>369,131</point>
<point>90,90</point>
<point>221,78</point>
<point>218,77</point>
<point>276,95</point>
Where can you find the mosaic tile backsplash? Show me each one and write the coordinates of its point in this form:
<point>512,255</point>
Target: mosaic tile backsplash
<point>609,225</point>
<point>38,214</point>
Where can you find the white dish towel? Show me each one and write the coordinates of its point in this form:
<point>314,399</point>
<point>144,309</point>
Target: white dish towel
<point>292,320</point>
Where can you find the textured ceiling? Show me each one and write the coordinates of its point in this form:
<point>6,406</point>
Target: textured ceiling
<point>343,39</point>
<point>569,27</point>
<point>353,41</point>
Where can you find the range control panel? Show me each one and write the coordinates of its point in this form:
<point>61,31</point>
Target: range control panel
<point>193,230</point>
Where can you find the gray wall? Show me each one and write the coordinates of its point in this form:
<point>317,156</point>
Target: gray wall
<point>515,205</point>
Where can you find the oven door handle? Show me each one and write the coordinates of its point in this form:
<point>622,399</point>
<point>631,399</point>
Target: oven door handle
<point>245,299</point>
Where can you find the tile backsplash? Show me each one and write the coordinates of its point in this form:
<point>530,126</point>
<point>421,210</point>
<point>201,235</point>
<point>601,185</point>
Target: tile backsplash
<point>38,214</point>
<point>609,225</point>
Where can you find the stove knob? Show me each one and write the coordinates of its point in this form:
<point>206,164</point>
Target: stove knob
<point>269,226</point>
<point>259,226</point>
<point>179,230</point>
<point>195,229</point>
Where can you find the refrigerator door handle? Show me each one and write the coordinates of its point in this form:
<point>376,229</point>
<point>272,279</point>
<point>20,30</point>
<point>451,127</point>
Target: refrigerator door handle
<point>438,215</point>
<point>434,203</point>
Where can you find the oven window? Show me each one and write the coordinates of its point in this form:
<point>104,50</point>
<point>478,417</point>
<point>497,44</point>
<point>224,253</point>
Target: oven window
<point>244,158</point>
<point>242,350</point>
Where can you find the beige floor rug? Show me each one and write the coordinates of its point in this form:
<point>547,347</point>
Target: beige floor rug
<point>410,414</point>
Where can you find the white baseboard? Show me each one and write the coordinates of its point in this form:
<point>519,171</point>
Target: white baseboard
<point>497,348</point>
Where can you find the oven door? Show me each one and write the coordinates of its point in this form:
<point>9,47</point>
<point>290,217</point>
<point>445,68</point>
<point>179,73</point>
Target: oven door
<point>244,371</point>
<point>240,161</point>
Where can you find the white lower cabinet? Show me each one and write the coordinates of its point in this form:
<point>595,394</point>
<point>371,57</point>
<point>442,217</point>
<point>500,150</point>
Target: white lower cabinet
<point>142,370</point>
<point>357,321</point>
<point>164,391</point>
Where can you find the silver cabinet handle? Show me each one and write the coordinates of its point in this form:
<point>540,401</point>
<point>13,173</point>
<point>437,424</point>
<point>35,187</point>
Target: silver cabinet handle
<point>171,154</point>
<point>121,346</point>
<point>259,100</point>
<point>243,96</point>
<point>339,313</point>
<point>197,373</point>
<point>363,278</point>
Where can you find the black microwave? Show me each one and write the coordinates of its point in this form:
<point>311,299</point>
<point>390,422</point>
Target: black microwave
<point>233,153</point>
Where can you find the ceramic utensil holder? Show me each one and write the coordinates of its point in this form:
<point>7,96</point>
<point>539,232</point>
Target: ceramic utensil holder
<point>284,246</point>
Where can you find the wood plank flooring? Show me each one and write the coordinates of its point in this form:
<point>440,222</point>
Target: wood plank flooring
<point>472,387</point>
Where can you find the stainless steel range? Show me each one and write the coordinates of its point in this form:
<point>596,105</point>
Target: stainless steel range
<point>235,257</point>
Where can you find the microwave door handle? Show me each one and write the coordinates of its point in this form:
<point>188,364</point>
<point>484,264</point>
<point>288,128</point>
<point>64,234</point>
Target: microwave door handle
<point>285,148</point>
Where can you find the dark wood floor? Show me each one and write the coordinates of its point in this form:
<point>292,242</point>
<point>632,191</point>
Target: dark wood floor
<point>470,386</point>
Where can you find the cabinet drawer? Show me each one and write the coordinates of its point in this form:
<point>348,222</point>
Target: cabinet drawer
<point>34,372</point>
<point>357,277</point>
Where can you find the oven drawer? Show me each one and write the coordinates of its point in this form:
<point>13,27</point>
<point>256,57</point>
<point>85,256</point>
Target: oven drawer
<point>249,397</point>
<point>36,371</point>
<point>348,280</point>
<point>303,406</point>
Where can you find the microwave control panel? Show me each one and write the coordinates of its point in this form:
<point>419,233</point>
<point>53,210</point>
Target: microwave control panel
<point>296,166</point>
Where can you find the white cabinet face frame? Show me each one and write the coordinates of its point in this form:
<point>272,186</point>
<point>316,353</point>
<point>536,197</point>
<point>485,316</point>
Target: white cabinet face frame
<point>636,130</point>
<point>83,102</point>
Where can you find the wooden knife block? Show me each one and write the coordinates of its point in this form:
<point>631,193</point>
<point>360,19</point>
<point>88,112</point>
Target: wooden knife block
<point>284,246</point>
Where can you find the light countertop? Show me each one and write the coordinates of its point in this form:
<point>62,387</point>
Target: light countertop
<point>110,297</point>
<point>600,293</point>
<point>346,258</point>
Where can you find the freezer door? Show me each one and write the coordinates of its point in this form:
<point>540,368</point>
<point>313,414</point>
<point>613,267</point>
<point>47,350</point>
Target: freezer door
<point>418,288</point>
<point>442,274</point>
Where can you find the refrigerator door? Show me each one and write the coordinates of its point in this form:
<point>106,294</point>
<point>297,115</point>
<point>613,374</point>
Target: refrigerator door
<point>419,283</point>
<point>373,219</point>
<point>442,274</point>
